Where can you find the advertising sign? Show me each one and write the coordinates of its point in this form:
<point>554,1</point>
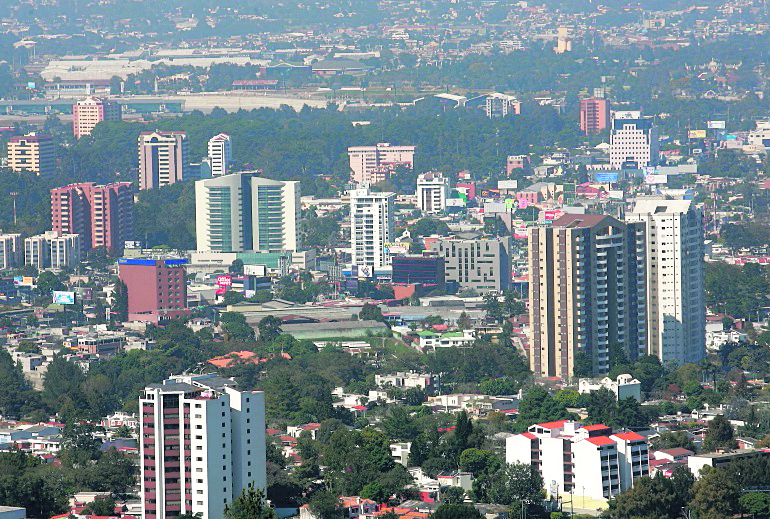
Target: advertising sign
<point>224,281</point>
<point>255,270</point>
<point>696,134</point>
<point>716,125</point>
<point>606,177</point>
<point>552,215</point>
<point>397,248</point>
<point>64,298</point>
<point>656,179</point>
<point>84,293</point>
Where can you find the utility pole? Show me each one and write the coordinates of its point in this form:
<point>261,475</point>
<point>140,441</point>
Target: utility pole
<point>14,194</point>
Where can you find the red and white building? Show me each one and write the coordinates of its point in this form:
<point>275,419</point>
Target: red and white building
<point>202,442</point>
<point>589,459</point>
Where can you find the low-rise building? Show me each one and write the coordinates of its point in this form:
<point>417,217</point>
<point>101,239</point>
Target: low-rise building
<point>428,382</point>
<point>624,386</point>
<point>717,459</point>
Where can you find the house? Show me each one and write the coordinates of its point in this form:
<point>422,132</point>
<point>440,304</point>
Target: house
<point>623,386</point>
<point>462,480</point>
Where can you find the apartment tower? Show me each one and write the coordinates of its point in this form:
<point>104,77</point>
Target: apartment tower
<point>432,192</point>
<point>676,278</point>
<point>102,215</point>
<point>33,152</point>
<point>594,115</point>
<point>372,164</point>
<point>220,154</point>
<point>202,443</point>
<point>245,212</point>
<point>163,158</point>
<point>86,114</point>
<point>371,227</point>
<point>587,293</point>
<point>633,140</point>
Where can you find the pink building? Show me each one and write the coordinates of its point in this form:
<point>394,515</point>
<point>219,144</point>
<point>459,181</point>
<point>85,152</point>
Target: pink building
<point>86,114</point>
<point>532,197</point>
<point>102,215</point>
<point>157,289</point>
<point>372,164</point>
<point>594,115</point>
<point>163,158</point>
<point>469,187</point>
<point>516,162</point>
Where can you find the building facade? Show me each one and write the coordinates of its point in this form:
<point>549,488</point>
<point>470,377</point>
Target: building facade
<point>432,192</point>
<point>11,253</point>
<point>163,158</point>
<point>202,443</point>
<point>157,289</point>
<point>371,228</point>
<point>587,292</point>
<point>33,152</point>
<point>676,278</point>
<point>220,154</point>
<point>102,215</point>
<point>86,114</point>
<point>52,249</point>
<point>594,115</point>
<point>501,105</point>
<point>482,264</point>
<point>427,270</point>
<point>581,459</point>
<point>633,140</point>
<point>372,164</point>
<point>245,212</point>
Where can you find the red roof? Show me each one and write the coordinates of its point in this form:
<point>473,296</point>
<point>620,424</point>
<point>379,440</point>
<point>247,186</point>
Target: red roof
<point>630,437</point>
<point>558,424</point>
<point>595,427</point>
<point>529,435</point>
<point>601,440</point>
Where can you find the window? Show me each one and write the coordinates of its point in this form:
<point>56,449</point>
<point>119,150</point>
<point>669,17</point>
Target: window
<point>199,491</point>
<point>198,459</point>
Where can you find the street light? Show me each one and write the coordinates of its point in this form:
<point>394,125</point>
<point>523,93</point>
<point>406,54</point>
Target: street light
<point>584,496</point>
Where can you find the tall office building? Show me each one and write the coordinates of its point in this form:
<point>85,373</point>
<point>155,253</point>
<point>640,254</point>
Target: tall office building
<point>501,105</point>
<point>11,253</point>
<point>157,289</point>
<point>86,114</point>
<point>432,192</point>
<point>163,158</point>
<point>33,152</point>
<point>482,264</point>
<point>676,278</point>
<point>372,164</point>
<point>587,292</point>
<point>594,115</point>
<point>220,154</point>
<point>633,140</point>
<point>52,249</point>
<point>244,212</point>
<point>371,227</point>
<point>202,443</point>
<point>102,215</point>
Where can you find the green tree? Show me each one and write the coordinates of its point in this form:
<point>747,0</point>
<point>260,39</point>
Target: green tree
<point>370,312</point>
<point>715,495</point>
<point>456,511</point>
<point>719,435</point>
<point>269,328</point>
<point>119,310</point>
<point>326,505</point>
<point>104,506</point>
<point>48,282</point>
<point>755,503</point>
<point>518,483</point>
<point>236,267</point>
<point>249,505</point>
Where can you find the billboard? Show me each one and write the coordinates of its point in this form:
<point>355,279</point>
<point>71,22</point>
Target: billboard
<point>84,293</point>
<point>656,179</point>
<point>396,248</point>
<point>696,134</point>
<point>716,125</point>
<point>255,270</point>
<point>552,215</point>
<point>23,281</point>
<point>224,281</point>
<point>606,177</point>
<point>64,298</point>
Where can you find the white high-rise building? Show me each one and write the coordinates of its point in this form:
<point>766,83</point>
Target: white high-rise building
<point>202,442</point>
<point>633,140</point>
<point>245,212</point>
<point>371,227</point>
<point>432,192</point>
<point>52,249</point>
<point>10,251</point>
<point>676,300</point>
<point>220,154</point>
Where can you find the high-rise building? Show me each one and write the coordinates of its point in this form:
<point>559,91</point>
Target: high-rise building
<point>633,140</point>
<point>501,105</point>
<point>563,40</point>
<point>432,192</point>
<point>676,278</point>
<point>587,293</point>
<point>157,289</point>
<point>86,114</point>
<point>482,264</point>
<point>33,152</point>
<point>245,212</point>
<point>52,249</point>
<point>594,115</point>
<point>202,443</point>
<point>163,158</point>
<point>573,458</point>
<point>11,253</point>
<point>220,154</point>
<point>102,215</point>
<point>371,227</point>
<point>372,164</point>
